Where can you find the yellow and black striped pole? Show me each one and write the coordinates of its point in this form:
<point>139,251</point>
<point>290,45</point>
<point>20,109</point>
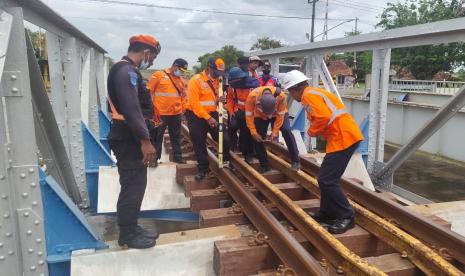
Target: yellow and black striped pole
<point>220,123</point>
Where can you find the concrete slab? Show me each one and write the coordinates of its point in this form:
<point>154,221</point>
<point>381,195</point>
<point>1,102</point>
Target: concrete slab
<point>452,212</point>
<point>182,253</point>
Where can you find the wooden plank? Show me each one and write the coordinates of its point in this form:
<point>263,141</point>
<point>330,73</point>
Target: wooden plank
<point>275,176</point>
<point>235,257</point>
<point>394,265</point>
<point>207,199</point>
<point>184,170</point>
<point>228,231</point>
<point>191,184</point>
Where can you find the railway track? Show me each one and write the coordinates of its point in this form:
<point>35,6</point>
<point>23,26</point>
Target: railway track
<point>301,245</point>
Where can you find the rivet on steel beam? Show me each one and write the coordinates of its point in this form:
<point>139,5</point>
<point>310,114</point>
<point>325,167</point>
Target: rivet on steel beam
<point>32,268</point>
<point>4,196</point>
<point>35,203</point>
<point>15,90</point>
<point>31,170</point>
<point>33,185</point>
<point>25,195</point>
<point>13,77</point>
<point>1,245</point>
<point>30,250</point>
<point>11,252</point>
<point>40,253</point>
<point>26,214</point>
<point>8,234</point>
<point>6,215</point>
<point>23,175</point>
<point>29,232</point>
<point>38,240</point>
<point>2,177</point>
<point>41,262</point>
<point>36,222</point>
<point>2,258</point>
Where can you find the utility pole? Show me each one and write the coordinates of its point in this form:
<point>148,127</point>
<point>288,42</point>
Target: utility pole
<point>312,33</point>
<point>355,53</point>
<point>325,30</point>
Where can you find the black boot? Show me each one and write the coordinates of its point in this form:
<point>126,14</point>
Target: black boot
<point>129,237</point>
<point>179,160</point>
<point>147,233</point>
<point>264,169</point>
<point>295,166</point>
<point>324,221</point>
<point>248,159</point>
<point>341,225</point>
<point>200,175</point>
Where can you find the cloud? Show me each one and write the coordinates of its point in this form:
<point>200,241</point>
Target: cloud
<point>190,34</point>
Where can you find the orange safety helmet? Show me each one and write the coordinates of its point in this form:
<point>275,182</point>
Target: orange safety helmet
<point>148,40</point>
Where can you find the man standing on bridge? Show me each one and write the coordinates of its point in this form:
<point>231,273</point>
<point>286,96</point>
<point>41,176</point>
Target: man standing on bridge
<point>329,119</point>
<point>201,112</point>
<point>131,113</point>
<point>168,90</point>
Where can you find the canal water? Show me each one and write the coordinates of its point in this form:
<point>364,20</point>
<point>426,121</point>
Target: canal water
<point>430,176</point>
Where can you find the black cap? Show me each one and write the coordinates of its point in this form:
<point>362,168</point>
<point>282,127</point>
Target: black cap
<point>181,63</point>
<point>243,60</point>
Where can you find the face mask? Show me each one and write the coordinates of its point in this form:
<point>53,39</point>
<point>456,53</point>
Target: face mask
<point>266,71</point>
<point>144,65</point>
<point>177,73</point>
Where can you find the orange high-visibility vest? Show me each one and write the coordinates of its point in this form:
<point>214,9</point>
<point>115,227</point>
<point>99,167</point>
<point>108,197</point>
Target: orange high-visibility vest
<point>202,95</point>
<point>167,100</point>
<point>236,99</point>
<point>328,118</point>
<point>253,109</point>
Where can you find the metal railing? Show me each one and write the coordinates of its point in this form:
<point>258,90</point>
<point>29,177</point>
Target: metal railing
<point>426,86</point>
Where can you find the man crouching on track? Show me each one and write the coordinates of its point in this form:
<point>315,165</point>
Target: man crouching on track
<point>129,136</point>
<point>201,114</point>
<point>328,118</point>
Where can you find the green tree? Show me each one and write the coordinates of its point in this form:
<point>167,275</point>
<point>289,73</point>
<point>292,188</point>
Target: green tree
<point>228,53</point>
<point>265,43</point>
<point>424,61</point>
<point>38,43</point>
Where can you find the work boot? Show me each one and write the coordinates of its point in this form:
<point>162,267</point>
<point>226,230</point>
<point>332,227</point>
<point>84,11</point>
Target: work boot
<point>295,166</point>
<point>264,169</point>
<point>324,221</point>
<point>147,233</point>
<point>200,175</point>
<point>341,225</point>
<point>249,159</point>
<point>131,238</point>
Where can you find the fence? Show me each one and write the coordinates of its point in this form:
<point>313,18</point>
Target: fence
<point>436,87</point>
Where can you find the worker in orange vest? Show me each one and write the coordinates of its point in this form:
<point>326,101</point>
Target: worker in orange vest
<point>129,138</point>
<point>328,118</point>
<point>240,85</point>
<point>168,90</point>
<point>201,112</point>
<point>266,105</point>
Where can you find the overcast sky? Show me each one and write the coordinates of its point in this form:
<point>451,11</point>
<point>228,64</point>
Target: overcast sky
<point>189,34</point>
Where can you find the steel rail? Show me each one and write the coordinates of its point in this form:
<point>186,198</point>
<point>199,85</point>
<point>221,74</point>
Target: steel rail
<point>449,244</point>
<point>288,249</point>
<point>428,261</point>
<point>338,254</point>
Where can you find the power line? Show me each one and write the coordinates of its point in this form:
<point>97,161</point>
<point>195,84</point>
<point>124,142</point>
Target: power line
<point>347,21</point>
<point>355,6</point>
<point>139,20</point>
<point>200,10</point>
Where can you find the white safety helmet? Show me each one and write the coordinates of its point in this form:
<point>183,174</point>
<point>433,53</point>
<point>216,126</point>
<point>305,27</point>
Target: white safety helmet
<point>292,78</point>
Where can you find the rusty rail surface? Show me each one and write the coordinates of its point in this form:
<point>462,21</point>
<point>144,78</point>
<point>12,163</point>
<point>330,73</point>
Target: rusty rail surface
<point>448,243</point>
<point>428,261</point>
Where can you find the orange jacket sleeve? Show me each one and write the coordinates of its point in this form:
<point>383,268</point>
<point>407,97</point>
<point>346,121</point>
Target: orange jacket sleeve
<point>319,115</point>
<point>153,83</point>
<point>278,123</point>
<point>230,101</point>
<point>249,112</point>
<point>193,96</point>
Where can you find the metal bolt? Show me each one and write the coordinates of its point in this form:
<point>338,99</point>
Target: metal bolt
<point>36,222</point>
<point>4,196</point>
<point>25,195</point>
<point>35,203</point>
<point>6,215</point>
<point>11,252</point>
<point>340,270</point>
<point>15,90</point>
<point>2,258</point>
<point>31,170</point>
<point>33,185</point>
<point>1,245</point>
<point>30,250</point>
<point>2,177</point>
<point>26,214</point>
<point>23,175</point>
<point>8,234</point>
<point>38,240</point>
<point>41,262</point>
<point>29,232</point>
<point>13,77</point>
<point>40,253</point>
<point>32,268</point>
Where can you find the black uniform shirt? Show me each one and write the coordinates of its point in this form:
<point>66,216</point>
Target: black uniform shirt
<point>126,84</point>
